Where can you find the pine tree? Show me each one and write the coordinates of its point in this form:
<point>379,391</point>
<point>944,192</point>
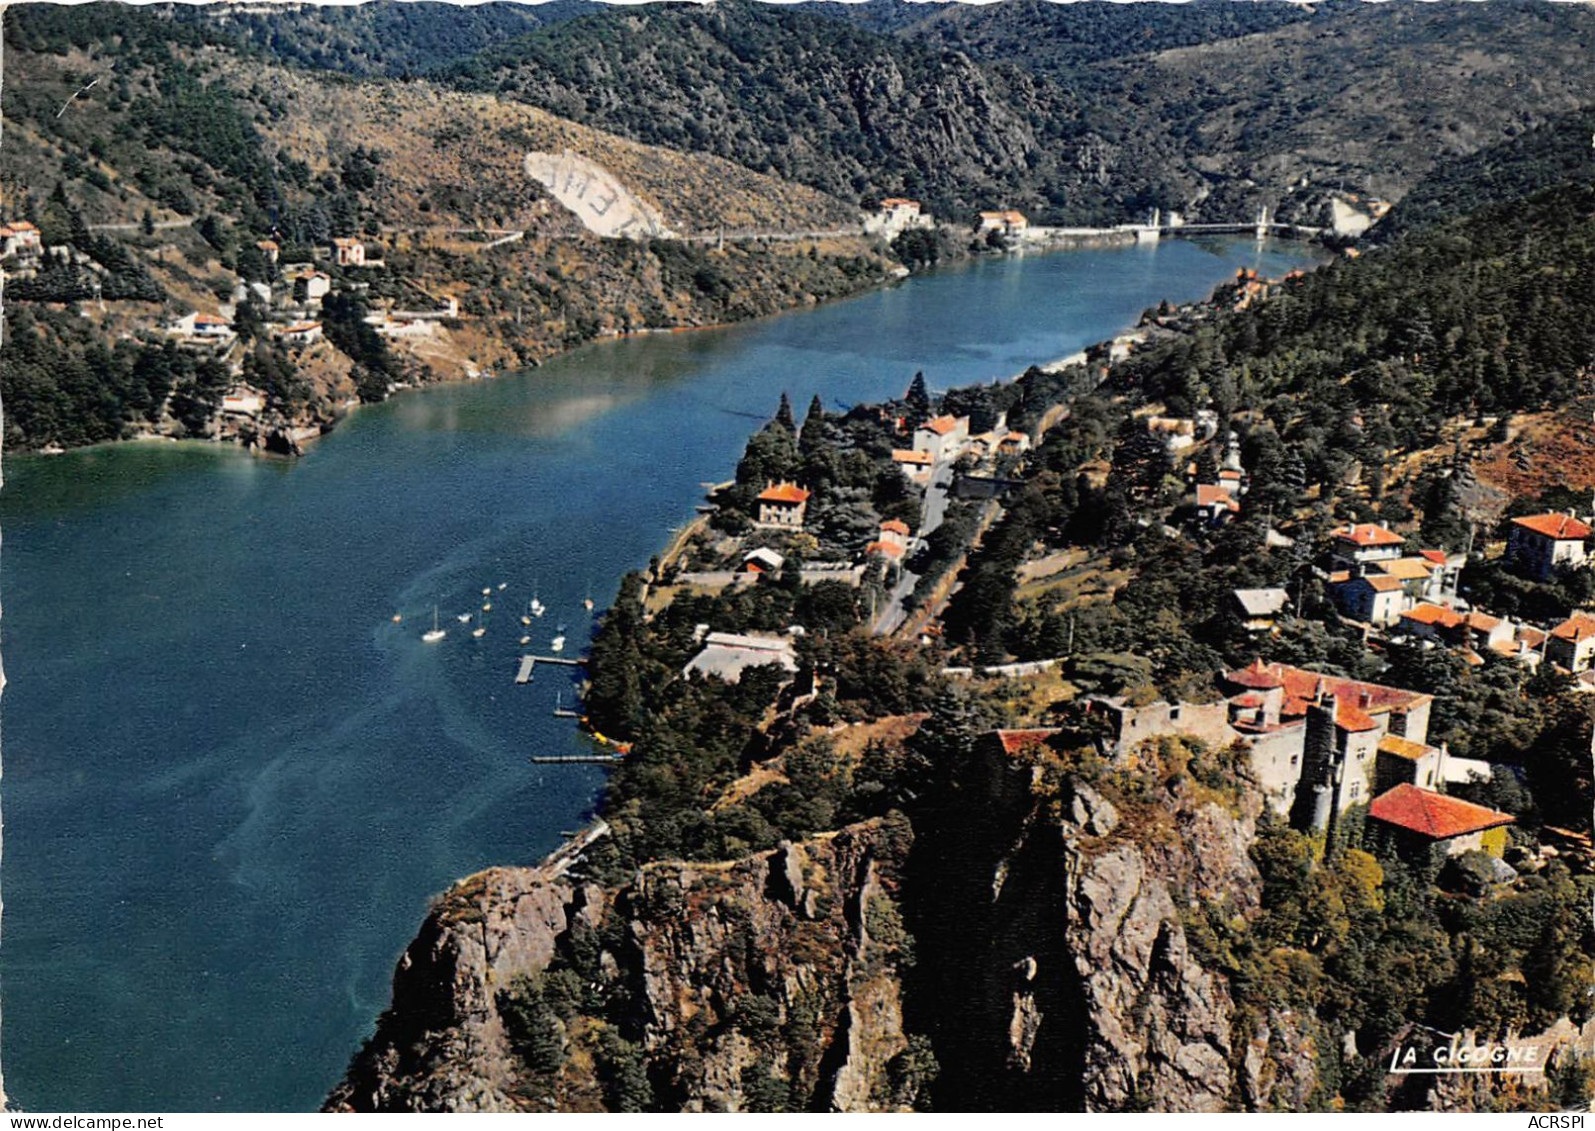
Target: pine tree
<point>917,398</point>
<point>812,436</point>
<point>783,415</point>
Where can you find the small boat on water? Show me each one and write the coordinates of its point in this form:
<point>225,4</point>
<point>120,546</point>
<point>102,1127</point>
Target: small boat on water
<point>479,631</point>
<point>487,606</point>
<point>397,617</point>
<point>558,643</point>
<point>486,589</point>
<point>437,633</point>
<point>464,618</point>
<point>502,585</point>
<point>526,640</point>
<point>536,608</point>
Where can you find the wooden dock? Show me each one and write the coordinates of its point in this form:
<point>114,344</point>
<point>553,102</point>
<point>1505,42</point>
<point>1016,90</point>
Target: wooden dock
<point>524,673</point>
<point>566,713</point>
<point>555,759</point>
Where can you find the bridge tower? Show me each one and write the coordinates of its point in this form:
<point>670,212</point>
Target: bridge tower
<point>1149,232</point>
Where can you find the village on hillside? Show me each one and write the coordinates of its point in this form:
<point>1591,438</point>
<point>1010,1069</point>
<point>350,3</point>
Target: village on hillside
<point>883,516</point>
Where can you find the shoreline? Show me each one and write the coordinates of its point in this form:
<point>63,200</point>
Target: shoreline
<point>1108,242</point>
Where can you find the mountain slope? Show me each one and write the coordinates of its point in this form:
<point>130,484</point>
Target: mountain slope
<point>187,149</point>
<point>1051,108</point>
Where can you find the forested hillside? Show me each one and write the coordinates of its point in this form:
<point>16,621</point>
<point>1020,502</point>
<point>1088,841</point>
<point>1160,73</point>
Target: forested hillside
<point>159,156</point>
<point>1085,113</point>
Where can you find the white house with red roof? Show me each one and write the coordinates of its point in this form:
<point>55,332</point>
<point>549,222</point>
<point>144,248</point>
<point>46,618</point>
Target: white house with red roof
<point>1572,643</point>
<point>1538,545</point>
<point>783,505</point>
<point>20,238</point>
<point>348,252</point>
<point>916,466</point>
<point>300,334</point>
<point>201,327</point>
<point>1373,598</point>
<point>942,437</point>
<point>1215,504</point>
<point>1364,542</point>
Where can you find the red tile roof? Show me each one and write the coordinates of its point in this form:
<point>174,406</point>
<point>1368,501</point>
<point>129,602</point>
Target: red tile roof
<point>1305,686</point>
<point>1349,716</point>
<point>1378,582</point>
<point>895,526</point>
<point>1561,527</point>
<point>1575,628</point>
<point>903,455</point>
<point>941,425</point>
<point>784,493</point>
<point>1403,747</point>
<point>1208,495</point>
<point>1433,614</point>
<point>1013,741</point>
<point>1368,534</point>
<point>1258,675</point>
<point>1434,815</point>
<point>1435,556</point>
<point>890,549</point>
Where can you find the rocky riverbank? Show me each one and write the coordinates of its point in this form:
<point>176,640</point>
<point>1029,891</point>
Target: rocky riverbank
<point>1023,946</point>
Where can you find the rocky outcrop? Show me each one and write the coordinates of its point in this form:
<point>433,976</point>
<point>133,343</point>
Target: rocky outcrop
<point>1032,932</point>
<point>768,982</point>
<point>1065,978</point>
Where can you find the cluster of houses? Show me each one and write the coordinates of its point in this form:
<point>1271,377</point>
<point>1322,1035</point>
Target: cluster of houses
<point>293,306</point>
<point>1376,583</point>
<point>1318,745</point>
<point>946,439</point>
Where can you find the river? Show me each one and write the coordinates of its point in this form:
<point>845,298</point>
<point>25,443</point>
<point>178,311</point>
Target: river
<point>232,783</point>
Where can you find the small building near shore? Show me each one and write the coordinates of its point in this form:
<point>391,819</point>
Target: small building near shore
<point>726,655</point>
<point>1008,222</point>
<point>783,505</point>
<point>942,437</point>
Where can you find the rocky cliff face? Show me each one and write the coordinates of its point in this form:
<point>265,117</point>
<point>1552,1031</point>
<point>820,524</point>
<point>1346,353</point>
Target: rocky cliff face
<point>1085,991</point>
<point>770,982</point>
<point>1032,936</point>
